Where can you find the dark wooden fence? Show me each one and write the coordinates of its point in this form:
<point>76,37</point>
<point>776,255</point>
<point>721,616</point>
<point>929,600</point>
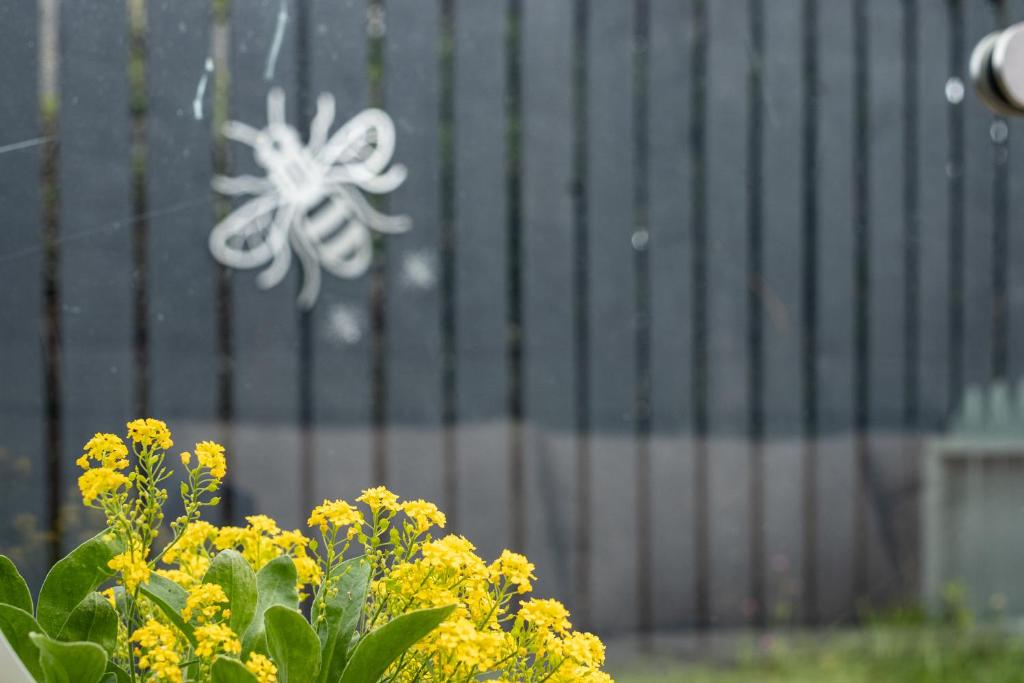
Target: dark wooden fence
<point>689,280</point>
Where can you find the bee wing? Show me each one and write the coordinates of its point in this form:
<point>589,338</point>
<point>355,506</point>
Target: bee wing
<point>251,235</point>
<point>367,139</point>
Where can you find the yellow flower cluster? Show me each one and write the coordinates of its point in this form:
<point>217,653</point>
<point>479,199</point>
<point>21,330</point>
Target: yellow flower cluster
<point>133,567</point>
<point>336,513</point>
<point>147,433</point>
<point>215,639</point>
<point>205,603</point>
<point>157,651</point>
<point>261,541</point>
<point>378,499</point>
<point>515,569</point>
<point>423,515</point>
<point>262,668</point>
<point>211,456</point>
<point>106,449</point>
<point>95,483</point>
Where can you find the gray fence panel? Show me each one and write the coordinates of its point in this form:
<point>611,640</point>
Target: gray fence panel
<point>979,177</point>
<point>183,368</point>
<point>24,460</point>
<point>670,164</point>
<point>611,314</point>
<point>1015,237</point>
<point>548,301</point>
<point>97,324</point>
<point>887,279</point>
<point>341,333</point>
<point>835,314</point>
<point>264,323</point>
<point>727,292</point>
<point>933,145</point>
<point>413,320</point>
<point>484,506</point>
<point>779,290</point>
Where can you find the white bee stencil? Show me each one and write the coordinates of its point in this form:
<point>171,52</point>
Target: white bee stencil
<point>311,199</point>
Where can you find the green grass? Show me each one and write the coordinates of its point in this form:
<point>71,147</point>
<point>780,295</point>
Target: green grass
<point>875,655</point>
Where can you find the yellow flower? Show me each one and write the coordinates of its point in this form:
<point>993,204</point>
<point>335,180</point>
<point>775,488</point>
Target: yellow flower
<point>515,568</point>
<point>211,456</point>
<point>263,525</point>
<point>546,615</point>
<point>205,602</point>
<point>158,651</point>
<point>213,639</point>
<point>186,458</point>
<point>95,482</point>
<point>308,570</point>
<point>133,567</point>
<point>149,432</point>
<point>106,449</point>
<point>379,498</point>
<point>585,648</point>
<point>262,668</point>
<point>336,513</point>
<point>110,596</point>
<point>423,515</point>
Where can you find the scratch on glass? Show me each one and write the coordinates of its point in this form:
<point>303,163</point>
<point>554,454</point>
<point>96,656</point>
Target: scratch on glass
<point>197,103</point>
<point>275,46</point>
<point>23,144</point>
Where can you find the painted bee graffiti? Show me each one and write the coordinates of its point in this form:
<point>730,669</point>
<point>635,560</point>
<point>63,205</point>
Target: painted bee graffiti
<point>311,200</point>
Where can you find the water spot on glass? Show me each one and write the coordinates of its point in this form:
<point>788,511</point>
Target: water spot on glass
<point>640,239</point>
<point>113,369</point>
<point>954,90</point>
<point>419,270</point>
<point>344,325</point>
<point>376,27</point>
<point>952,170</point>
<point>999,131</point>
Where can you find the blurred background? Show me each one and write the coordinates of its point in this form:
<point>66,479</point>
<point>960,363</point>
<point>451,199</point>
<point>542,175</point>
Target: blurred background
<point>713,308</point>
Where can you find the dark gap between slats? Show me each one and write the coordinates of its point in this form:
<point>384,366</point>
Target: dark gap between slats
<point>957,53</point>
<point>862,297</point>
<point>220,44</point>
<point>378,293</point>
<point>1000,240</point>
<point>755,346</point>
<point>51,301</point>
<point>698,147</point>
<point>140,227</point>
<point>304,111</point>
<point>809,337</point>
<point>513,144</point>
<point>641,274</point>
<point>581,322</point>
<point>449,385</point>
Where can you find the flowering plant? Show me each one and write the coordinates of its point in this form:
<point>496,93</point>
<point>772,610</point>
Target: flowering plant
<point>386,600</point>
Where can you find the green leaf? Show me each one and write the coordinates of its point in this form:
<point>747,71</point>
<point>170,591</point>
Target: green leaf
<point>229,670</point>
<point>170,598</point>
<point>275,585</point>
<point>116,674</point>
<point>230,571</point>
<point>377,650</point>
<point>70,662</point>
<point>16,625</point>
<point>93,620</point>
<point>293,645</point>
<point>341,615</point>
<point>13,589</point>
<point>73,578</point>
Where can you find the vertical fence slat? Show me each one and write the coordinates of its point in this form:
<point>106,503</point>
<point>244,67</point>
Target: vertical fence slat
<point>727,290</point>
<point>979,179</point>
<point>933,353</point>
<point>481,288</point>
<point>779,290</point>
<point>886,282</point>
<point>342,338</point>
<point>834,390</point>
<point>181,278</point>
<point>95,225</point>
<point>671,245</point>
<point>22,325</point>
<point>549,358</point>
<point>1015,239</point>
<point>265,368</point>
<point>413,319</point>
<point>611,312</point>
